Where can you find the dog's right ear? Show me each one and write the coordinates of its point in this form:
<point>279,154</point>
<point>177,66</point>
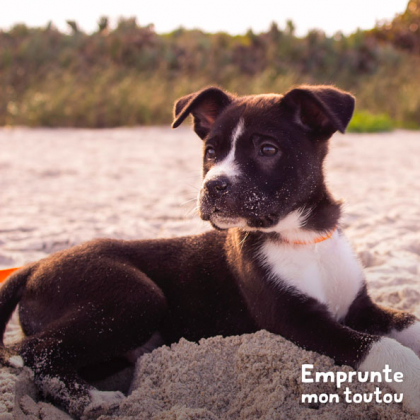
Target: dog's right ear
<point>205,106</point>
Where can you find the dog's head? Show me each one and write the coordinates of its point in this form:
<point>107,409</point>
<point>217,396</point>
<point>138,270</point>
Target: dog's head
<point>263,154</point>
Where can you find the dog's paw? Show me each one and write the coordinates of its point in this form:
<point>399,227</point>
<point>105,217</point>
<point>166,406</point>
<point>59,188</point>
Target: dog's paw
<point>399,359</point>
<point>10,359</point>
<point>102,402</point>
<point>15,362</point>
<point>409,337</point>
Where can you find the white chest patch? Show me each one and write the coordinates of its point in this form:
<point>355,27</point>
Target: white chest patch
<point>327,271</point>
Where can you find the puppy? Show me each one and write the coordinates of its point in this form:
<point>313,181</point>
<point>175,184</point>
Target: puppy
<point>276,260</point>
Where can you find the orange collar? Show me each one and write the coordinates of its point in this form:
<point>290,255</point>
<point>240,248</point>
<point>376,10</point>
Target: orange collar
<point>315,241</point>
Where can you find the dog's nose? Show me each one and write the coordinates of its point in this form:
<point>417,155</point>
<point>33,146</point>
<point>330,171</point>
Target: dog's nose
<point>217,186</point>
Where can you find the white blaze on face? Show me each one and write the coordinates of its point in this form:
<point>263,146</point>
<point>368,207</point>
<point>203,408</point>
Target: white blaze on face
<point>227,167</point>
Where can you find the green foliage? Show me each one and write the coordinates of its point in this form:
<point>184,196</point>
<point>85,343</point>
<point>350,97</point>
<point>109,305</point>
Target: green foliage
<point>131,75</point>
<point>366,122</point>
<point>404,31</point>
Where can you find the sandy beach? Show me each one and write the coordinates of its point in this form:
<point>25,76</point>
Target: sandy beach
<point>60,187</point>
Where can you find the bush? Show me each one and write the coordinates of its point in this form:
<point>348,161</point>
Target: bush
<point>366,122</point>
<point>131,75</point>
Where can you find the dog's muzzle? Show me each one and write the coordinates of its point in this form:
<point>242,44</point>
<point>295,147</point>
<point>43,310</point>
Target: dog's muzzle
<point>226,205</point>
<point>215,197</point>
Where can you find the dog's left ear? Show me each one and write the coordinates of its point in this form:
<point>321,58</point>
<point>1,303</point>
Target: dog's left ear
<point>321,109</point>
<point>205,106</point>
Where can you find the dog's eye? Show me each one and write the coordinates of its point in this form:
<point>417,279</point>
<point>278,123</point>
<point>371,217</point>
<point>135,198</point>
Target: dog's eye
<point>210,153</point>
<point>268,150</point>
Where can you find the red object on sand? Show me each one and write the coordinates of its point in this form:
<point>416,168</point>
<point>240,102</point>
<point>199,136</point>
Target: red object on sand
<point>6,273</point>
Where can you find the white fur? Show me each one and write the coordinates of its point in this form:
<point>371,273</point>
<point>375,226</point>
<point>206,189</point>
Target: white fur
<point>102,401</point>
<point>327,271</point>
<point>290,227</point>
<point>409,337</point>
<point>293,221</point>
<point>400,359</point>
<point>226,222</point>
<point>16,361</point>
<point>228,167</point>
<point>100,397</point>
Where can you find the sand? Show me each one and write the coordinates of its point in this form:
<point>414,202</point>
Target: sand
<point>60,187</point>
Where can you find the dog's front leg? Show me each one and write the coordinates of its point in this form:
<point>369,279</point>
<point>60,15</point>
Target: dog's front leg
<point>366,316</point>
<point>309,324</point>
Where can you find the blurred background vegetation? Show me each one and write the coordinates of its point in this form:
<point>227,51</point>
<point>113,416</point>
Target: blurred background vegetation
<point>131,75</point>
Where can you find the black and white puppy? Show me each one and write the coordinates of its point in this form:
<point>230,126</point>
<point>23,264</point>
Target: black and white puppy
<point>276,260</point>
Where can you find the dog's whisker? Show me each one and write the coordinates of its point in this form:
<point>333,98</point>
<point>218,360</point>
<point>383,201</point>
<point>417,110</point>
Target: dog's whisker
<point>192,186</point>
<point>192,211</point>
<point>197,176</point>
<point>188,201</point>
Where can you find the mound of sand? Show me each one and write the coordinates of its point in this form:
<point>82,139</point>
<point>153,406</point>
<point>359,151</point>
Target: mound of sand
<point>62,187</point>
<point>256,376</point>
